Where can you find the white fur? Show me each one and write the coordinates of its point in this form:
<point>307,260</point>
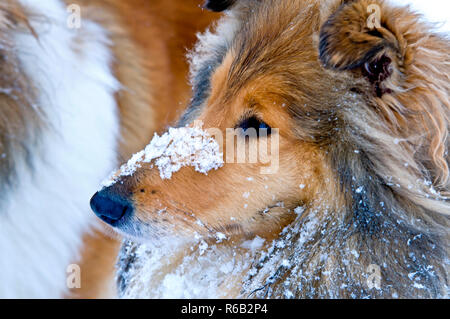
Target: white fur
<point>209,41</point>
<point>44,218</point>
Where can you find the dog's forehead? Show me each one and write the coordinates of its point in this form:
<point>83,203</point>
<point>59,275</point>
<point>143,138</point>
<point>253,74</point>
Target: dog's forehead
<point>275,36</point>
<point>258,41</point>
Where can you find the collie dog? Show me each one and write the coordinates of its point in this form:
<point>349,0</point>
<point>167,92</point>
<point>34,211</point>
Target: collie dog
<point>355,95</point>
<point>78,85</point>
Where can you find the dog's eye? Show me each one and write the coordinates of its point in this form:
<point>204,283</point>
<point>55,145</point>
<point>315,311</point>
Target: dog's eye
<point>255,123</point>
<point>378,69</point>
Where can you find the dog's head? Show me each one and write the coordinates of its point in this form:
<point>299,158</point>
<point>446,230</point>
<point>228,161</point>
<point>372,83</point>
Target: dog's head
<point>352,94</point>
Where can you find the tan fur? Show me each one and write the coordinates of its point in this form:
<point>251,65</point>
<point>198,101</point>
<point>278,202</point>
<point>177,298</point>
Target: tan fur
<point>365,149</point>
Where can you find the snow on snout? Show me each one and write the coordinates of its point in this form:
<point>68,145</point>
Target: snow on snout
<point>177,148</point>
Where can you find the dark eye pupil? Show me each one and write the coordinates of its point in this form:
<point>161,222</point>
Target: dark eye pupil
<point>378,69</point>
<point>255,123</point>
<point>371,68</point>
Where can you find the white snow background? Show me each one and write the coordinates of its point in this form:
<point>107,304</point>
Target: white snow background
<point>436,11</point>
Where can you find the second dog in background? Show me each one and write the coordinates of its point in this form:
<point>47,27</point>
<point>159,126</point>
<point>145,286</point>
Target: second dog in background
<point>75,100</point>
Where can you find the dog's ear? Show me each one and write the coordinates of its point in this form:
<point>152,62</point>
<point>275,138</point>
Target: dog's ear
<point>218,5</point>
<point>363,34</point>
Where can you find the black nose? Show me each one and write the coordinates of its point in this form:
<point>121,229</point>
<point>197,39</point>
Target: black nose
<point>110,208</point>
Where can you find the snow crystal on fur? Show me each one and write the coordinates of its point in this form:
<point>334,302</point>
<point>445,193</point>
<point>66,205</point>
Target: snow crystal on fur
<point>177,148</point>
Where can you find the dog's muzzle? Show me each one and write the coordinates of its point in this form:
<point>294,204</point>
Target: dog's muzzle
<point>110,207</point>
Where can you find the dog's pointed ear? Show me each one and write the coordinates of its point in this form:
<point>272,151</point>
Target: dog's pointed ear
<point>362,34</point>
<point>218,5</point>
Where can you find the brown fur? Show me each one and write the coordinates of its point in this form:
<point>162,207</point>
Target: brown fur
<point>367,149</point>
<point>16,108</point>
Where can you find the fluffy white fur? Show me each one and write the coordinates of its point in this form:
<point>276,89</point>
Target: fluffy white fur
<point>43,219</point>
<point>210,40</point>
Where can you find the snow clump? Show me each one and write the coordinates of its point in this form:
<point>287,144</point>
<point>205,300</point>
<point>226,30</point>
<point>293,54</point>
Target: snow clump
<point>177,148</point>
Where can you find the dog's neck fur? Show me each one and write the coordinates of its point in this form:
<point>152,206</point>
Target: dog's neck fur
<point>57,143</point>
<point>336,258</point>
<point>325,253</point>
